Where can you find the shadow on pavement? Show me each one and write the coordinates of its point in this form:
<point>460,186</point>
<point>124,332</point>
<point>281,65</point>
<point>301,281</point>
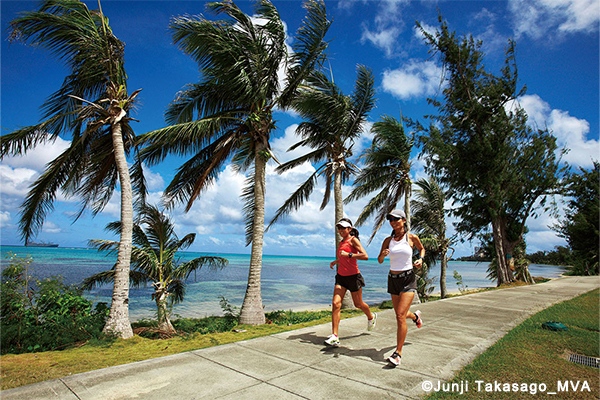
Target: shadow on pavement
<point>371,353</point>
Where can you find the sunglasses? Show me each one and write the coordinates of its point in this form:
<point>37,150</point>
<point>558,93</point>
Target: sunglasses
<point>339,228</point>
<point>393,219</point>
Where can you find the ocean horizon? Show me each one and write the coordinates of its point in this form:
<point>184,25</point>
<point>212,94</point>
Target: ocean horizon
<point>288,282</point>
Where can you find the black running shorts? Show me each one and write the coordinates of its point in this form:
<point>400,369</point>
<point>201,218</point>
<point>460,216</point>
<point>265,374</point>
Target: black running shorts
<point>353,283</point>
<point>402,283</point>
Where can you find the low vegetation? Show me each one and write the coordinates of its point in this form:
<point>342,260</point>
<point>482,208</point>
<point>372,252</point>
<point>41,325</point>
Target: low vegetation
<point>41,315</point>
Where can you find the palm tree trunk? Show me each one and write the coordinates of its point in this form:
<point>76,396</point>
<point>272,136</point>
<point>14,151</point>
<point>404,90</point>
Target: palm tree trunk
<point>164,324</point>
<point>407,194</point>
<point>252,312</point>
<point>118,317</point>
<point>347,302</point>
<point>444,267</point>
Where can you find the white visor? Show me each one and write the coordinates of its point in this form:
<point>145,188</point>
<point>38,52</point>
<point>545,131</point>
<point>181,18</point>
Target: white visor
<point>344,224</point>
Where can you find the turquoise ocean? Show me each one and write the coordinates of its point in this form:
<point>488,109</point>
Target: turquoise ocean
<point>288,282</point>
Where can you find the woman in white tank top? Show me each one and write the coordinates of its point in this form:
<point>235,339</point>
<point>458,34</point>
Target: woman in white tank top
<point>402,284</point>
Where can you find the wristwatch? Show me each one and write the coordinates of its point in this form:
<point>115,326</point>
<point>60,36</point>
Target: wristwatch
<point>349,255</point>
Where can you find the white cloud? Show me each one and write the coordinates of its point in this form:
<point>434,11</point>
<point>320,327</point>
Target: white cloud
<point>17,174</point>
<point>39,156</point>
<point>154,181</point>
<point>416,79</point>
<point>540,18</point>
<point>384,39</point>
<point>281,145</point>
<point>5,219</point>
<point>16,181</point>
<point>51,227</point>
<point>216,241</point>
<point>388,23</point>
<point>570,132</point>
<point>230,213</point>
<point>113,208</point>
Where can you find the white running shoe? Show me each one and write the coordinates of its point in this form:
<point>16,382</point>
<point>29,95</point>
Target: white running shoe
<point>372,322</point>
<point>419,320</point>
<point>395,359</point>
<point>332,340</point>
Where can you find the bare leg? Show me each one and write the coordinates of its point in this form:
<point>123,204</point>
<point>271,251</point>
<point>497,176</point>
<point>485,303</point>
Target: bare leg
<point>401,306</point>
<point>336,307</point>
<point>359,303</point>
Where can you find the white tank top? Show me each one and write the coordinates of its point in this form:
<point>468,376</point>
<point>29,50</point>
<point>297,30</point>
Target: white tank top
<point>400,255</point>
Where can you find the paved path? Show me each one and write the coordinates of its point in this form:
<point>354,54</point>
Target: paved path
<point>296,364</point>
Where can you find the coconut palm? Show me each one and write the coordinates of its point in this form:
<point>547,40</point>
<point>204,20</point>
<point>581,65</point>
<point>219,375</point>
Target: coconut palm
<point>92,106</point>
<point>228,115</point>
<point>154,260</point>
<point>387,171</point>
<point>429,221</point>
<point>333,123</point>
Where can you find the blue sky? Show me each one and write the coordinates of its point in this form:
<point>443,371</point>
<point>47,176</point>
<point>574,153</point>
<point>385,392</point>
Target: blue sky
<point>557,58</point>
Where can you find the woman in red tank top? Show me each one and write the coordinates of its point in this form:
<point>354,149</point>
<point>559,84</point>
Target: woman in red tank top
<point>348,277</point>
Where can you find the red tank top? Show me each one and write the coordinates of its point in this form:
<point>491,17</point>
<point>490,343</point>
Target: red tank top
<point>346,265</point>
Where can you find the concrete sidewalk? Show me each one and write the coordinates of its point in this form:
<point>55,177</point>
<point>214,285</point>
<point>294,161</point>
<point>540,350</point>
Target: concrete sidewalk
<point>296,364</point>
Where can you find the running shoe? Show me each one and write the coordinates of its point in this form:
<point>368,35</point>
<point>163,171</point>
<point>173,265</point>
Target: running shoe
<point>395,358</point>
<point>419,320</point>
<point>332,340</point>
<point>372,322</point>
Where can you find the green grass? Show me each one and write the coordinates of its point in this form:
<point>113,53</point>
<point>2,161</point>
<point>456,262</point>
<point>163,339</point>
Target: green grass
<point>532,355</point>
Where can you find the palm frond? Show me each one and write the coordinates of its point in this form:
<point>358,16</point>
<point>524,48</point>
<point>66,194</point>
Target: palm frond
<point>18,142</point>
<point>140,188</point>
<point>309,49</point>
<point>363,99</point>
<point>104,245</point>
<point>317,155</point>
<point>200,171</point>
<point>249,206</point>
<point>94,56</point>
<point>99,279</point>
<point>328,184</point>
<point>62,172</point>
<point>136,279</point>
<point>296,199</point>
<point>211,262</point>
<point>176,290</point>
<point>186,138</point>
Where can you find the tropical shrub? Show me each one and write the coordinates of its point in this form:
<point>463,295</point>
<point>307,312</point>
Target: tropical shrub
<point>44,315</point>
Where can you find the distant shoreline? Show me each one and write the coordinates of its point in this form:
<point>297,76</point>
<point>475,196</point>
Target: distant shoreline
<point>248,254</point>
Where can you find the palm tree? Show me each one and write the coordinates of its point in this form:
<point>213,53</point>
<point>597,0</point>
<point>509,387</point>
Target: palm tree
<point>239,61</point>
<point>333,123</point>
<point>429,221</point>
<point>154,260</point>
<point>387,171</point>
<point>99,128</point>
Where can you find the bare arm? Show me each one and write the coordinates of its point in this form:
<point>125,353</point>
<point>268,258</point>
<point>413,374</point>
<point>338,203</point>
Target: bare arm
<point>385,250</point>
<point>362,253</point>
<point>417,243</point>
<point>333,263</point>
